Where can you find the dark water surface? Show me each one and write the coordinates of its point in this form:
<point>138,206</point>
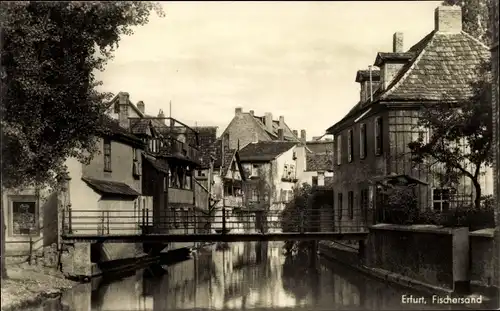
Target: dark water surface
<point>250,275</point>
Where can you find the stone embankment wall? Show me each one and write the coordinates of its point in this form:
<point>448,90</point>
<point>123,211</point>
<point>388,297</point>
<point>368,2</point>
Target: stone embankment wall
<point>425,257</point>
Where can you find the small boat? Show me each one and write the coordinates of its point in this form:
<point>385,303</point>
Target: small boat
<point>222,231</point>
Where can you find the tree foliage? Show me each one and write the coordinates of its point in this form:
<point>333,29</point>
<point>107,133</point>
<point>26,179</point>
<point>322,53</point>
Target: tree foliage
<point>460,135</point>
<point>50,107</point>
<point>475,18</point>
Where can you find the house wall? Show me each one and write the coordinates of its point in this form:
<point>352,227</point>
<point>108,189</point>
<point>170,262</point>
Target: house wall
<point>122,156</point>
<point>280,185</point>
<point>356,175</point>
<point>403,129</point>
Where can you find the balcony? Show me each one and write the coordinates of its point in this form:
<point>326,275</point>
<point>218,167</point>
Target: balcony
<point>172,139</point>
<point>233,201</point>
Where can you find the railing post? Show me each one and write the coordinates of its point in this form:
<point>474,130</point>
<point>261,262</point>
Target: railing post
<point>147,218</point>
<point>301,226</point>
<point>70,220</point>
<point>107,221</point>
<point>223,220</point>
<point>143,215</point>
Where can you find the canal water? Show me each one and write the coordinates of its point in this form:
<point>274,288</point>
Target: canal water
<point>238,276</point>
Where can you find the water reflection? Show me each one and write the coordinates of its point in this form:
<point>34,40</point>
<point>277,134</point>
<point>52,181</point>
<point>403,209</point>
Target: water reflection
<point>240,276</point>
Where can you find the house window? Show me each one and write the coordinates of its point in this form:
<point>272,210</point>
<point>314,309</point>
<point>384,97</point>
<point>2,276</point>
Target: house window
<point>362,141</point>
<point>350,204</point>
<point>441,199</point>
<point>201,173</point>
<point>255,196</point>
<point>339,150</point>
<point>24,212</point>
<point>378,136</point>
<point>340,205</point>
<point>315,180</point>
<point>350,148</point>
<point>107,155</point>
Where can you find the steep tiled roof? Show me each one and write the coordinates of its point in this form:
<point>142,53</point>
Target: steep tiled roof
<point>287,133</point>
<point>264,150</point>
<point>443,67</point>
<point>319,162</point>
<point>110,187</point>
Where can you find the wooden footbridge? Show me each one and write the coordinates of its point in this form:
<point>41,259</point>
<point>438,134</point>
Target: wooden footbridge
<point>141,226</point>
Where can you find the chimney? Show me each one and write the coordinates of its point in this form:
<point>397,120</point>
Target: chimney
<point>238,111</point>
<point>252,113</point>
<point>448,19</point>
<point>161,115</point>
<point>141,107</point>
<point>255,138</point>
<point>281,134</point>
<point>303,135</point>
<point>123,99</point>
<point>391,63</point>
<point>282,123</point>
<point>397,42</point>
<point>295,133</point>
<point>268,121</point>
<point>363,78</point>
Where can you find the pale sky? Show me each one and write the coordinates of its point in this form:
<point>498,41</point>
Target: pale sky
<point>297,59</point>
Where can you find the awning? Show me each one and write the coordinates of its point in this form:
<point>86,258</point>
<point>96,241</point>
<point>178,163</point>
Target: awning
<point>111,187</point>
<point>401,179</point>
<point>157,164</point>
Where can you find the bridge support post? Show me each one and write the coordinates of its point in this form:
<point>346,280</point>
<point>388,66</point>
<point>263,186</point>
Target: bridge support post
<point>75,261</point>
<point>313,254</point>
<point>361,251</point>
<point>223,220</point>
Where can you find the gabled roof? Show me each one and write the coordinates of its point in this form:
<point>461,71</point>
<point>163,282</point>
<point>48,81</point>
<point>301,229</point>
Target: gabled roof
<point>265,133</point>
<point>442,68</point>
<point>320,146</point>
<point>111,187</point>
<point>134,107</point>
<point>264,150</point>
<point>224,161</point>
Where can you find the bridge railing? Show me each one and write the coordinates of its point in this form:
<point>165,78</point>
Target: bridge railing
<point>222,221</point>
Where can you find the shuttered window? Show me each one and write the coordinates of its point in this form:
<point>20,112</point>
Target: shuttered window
<point>362,141</point>
<point>378,136</point>
<point>339,150</point>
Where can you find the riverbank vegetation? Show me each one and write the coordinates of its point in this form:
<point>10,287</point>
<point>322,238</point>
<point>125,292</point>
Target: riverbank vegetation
<point>303,213</point>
